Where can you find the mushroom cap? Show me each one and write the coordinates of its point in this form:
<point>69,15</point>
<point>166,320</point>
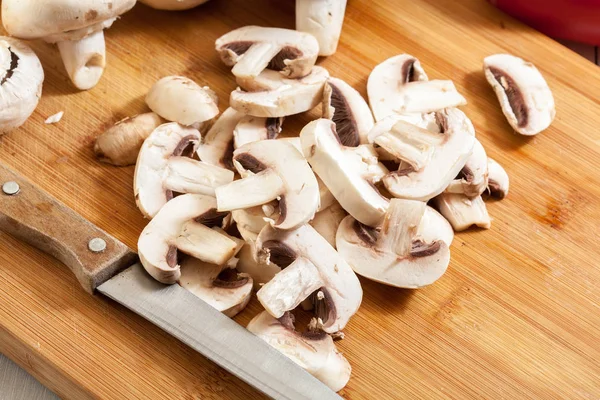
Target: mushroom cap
<point>396,253</point>
<point>164,166</point>
<point>345,171</point>
<point>180,226</point>
<point>173,5</point>
<point>522,91</point>
<point>220,286</point>
<point>315,352</point>
<point>21,79</point>
<point>180,99</point>
<point>350,112</point>
<point>463,212</point>
<point>291,52</point>
<point>317,264</point>
<point>498,181</point>
<point>274,95</point>
<point>472,180</point>
<point>217,145</point>
<point>31,19</point>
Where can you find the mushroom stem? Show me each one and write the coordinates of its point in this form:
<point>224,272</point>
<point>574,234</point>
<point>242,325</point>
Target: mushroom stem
<point>462,212</point>
<point>84,59</point>
<point>428,96</point>
<point>186,175</point>
<point>293,284</point>
<point>400,225</point>
<point>255,59</point>
<point>253,190</point>
<point>322,19</point>
<point>205,244</point>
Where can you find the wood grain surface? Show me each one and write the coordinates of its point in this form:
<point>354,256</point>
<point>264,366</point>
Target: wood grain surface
<point>517,314</point>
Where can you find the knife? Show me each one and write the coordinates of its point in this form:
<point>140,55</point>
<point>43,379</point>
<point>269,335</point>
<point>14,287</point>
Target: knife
<point>103,264</point>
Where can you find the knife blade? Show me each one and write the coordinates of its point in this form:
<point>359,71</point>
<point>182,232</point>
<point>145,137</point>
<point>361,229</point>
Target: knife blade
<point>103,264</point>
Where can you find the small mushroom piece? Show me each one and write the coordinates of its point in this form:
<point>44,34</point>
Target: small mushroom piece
<point>261,273</point>
<point>180,99</point>
<point>472,180</point>
<point>349,173</point>
<point>21,79</point>
<point>463,212</point>
<point>251,49</point>
<point>437,168</point>
<point>312,350</point>
<point>120,144</point>
<point>346,107</point>
<point>497,179</point>
<point>394,253</point>
<point>309,263</point>
<point>272,170</point>
<point>323,19</point>
<point>173,5</point>
<point>216,147</point>
<point>327,221</point>
<point>250,221</point>
<point>223,287</point>
<point>165,167</point>
<point>524,95</point>
<point>253,129</point>
<point>181,225</point>
<point>76,26</point>
<point>278,96</point>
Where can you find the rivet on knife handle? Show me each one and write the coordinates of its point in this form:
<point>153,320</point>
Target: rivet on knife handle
<point>33,216</point>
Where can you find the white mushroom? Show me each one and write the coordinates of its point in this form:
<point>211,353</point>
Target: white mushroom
<point>472,180</point>
<point>309,263</point>
<point>173,5</point>
<point>432,159</point>
<point>397,253</point>
<point>350,112</point>
<point>121,143</point>
<point>349,173</point>
<point>216,147</point>
<point>327,221</point>
<point>251,49</point>
<point>21,79</point>
<point>76,26</point>
<point>323,19</point>
<point>313,351</point>
<point>250,221</point>
<point>274,95</point>
<point>165,167</point>
<point>223,287</point>
<point>181,225</point>
<point>261,273</point>
<point>253,129</point>
<point>497,179</point>
<point>399,85</point>
<point>180,99</point>
<point>463,212</point>
<point>522,91</point>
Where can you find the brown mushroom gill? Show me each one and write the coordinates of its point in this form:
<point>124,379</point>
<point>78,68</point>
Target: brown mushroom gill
<point>422,249</point>
<point>288,321</point>
<point>346,128</point>
<point>172,257</point>
<point>273,126</point>
<point>365,233</point>
<point>230,278</point>
<point>408,71</point>
<point>442,122</point>
<point>239,48</point>
<point>495,189</point>
<point>280,254</point>
<point>277,63</point>
<point>514,95</point>
<point>227,158</point>
<point>185,148</point>
<point>14,63</point>
<point>323,308</point>
<point>211,218</point>
<point>370,235</point>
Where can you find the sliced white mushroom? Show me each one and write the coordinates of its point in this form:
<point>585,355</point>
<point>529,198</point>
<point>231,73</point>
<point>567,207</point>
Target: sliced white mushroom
<point>522,91</point>
<point>350,112</point>
<point>463,212</point>
<point>272,170</point>
<point>181,225</point>
<point>261,273</point>
<point>250,221</point>
<point>165,167</point>
<point>325,195</point>
<point>173,5</point>
<point>216,147</point>
<point>277,96</point>
<point>223,287</point>
<point>253,129</point>
<point>21,79</point>
<point>251,49</point>
<point>394,253</point>
<point>440,155</point>
<point>309,263</point>
<point>76,26</point>
<point>323,19</point>
<point>349,173</point>
<point>472,180</point>
<point>497,180</point>
<point>312,350</point>
<point>180,99</point>
<point>327,221</point>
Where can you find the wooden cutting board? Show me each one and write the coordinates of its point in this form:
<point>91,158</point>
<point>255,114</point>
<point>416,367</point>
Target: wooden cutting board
<point>517,314</point>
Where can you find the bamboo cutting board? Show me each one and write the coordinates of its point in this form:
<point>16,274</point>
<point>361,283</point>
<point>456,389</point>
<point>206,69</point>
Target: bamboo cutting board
<point>517,314</point>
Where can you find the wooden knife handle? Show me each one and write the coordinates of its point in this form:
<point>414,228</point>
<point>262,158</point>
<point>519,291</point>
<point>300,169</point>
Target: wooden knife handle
<point>35,217</point>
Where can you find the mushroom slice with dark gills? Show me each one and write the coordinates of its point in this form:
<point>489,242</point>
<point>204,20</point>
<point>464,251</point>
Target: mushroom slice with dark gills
<point>472,180</point>
<point>309,264</point>
<point>400,252</point>
<point>251,49</point>
<point>165,167</point>
<point>253,129</point>
<point>350,112</point>
<point>522,91</point>
<point>216,147</point>
<point>223,287</point>
<point>313,350</point>
<point>184,225</point>
<point>272,170</point>
<point>463,212</point>
<point>431,158</point>
<point>497,179</point>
